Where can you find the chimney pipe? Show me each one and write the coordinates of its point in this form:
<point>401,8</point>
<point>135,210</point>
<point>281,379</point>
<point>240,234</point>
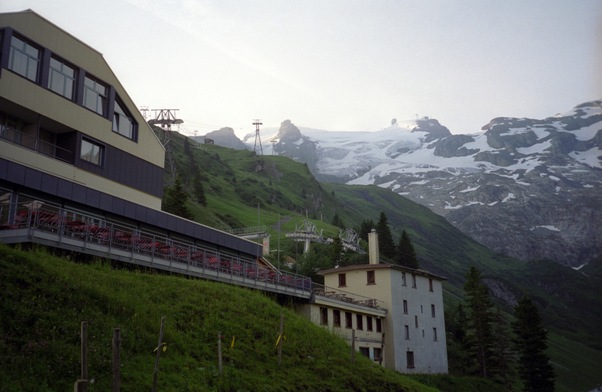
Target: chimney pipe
<point>373,254</point>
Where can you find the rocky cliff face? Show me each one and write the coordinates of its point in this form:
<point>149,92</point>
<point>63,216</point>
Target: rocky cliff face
<point>527,188</point>
<point>224,137</point>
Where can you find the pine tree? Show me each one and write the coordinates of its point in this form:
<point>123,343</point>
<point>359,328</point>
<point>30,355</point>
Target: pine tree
<point>175,198</point>
<point>457,341</point>
<point>406,254</point>
<point>337,221</point>
<point>479,320</point>
<point>365,228</point>
<point>501,364</point>
<point>385,239</point>
<point>199,189</point>
<point>531,343</point>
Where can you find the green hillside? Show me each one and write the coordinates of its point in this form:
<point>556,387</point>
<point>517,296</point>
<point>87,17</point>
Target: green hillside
<point>243,189</point>
<point>44,300</point>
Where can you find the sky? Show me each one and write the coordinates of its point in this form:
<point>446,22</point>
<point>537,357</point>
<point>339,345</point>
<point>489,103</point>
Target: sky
<point>342,65</point>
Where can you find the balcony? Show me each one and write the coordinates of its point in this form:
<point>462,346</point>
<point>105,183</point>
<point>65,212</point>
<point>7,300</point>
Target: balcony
<point>37,144</point>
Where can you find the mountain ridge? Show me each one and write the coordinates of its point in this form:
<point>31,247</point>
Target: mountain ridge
<point>537,181</point>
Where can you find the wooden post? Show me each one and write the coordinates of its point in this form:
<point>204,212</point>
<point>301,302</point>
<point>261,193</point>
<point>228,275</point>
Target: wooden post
<point>281,338</point>
<point>219,353</point>
<point>116,360</point>
<point>352,345</point>
<point>158,349</point>
<point>83,386</point>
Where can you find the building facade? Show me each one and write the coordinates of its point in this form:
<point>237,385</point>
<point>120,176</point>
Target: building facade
<point>414,326</point>
<point>64,113</point>
<point>73,142</point>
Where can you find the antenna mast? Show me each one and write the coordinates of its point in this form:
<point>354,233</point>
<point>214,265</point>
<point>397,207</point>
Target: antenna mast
<point>165,118</point>
<point>257,123</point>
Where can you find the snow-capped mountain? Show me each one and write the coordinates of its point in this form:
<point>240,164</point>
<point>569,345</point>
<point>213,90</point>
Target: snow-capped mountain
<point>528,188</point>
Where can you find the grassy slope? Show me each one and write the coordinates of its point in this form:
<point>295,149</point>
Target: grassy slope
<point>236,182</point>
<point>44,299</point>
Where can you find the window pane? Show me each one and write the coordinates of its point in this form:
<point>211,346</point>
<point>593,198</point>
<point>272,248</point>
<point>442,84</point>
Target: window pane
<point>62,78</point>
<point>95,96</point>
<point>122,121</point>
<point>24,59</point>
<point>91,152</point>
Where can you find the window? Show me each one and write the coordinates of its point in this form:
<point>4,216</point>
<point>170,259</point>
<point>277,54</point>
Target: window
<point>24,59</point>
<point>342,280</point>
<point>348,320</point>
<point>434,334</point>
<point>406,329</point>
<point>91,152</point>
<point>365,351</point>
<point>410,359</point>
<point>377,354</point>
<point>336,317</point>
<point>95,96</point>
<point>369,323</point>
<point>370,277</point>
<point>61,78</point>
<point>379,326</point>
<point>433,310</point>
<point>123,122</point>
<point>403,279</point>
<point>323,316</point>
<point>405,307</point>
<point>413,281</point>
<point>416,321</point>
<point>430,284</point>
<point>359,321</point>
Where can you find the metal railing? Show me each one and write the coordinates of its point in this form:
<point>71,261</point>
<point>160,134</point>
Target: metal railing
<point>343,296</point>
<point>36,144</point>
<point>72,225</point>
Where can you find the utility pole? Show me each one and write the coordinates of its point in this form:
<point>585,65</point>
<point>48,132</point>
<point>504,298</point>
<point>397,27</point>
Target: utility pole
<point>257,123</point>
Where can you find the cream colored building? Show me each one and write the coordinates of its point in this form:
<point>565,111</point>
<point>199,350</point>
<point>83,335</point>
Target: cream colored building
<point>414,325</point>
<point>65,116</point>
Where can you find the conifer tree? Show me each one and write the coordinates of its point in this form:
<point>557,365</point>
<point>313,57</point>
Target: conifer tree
<point>406,254</point>
<point>175,198</point>
<point>501,364</point>
<point>531,343</point>
<point>365,228</point>
<point>385,239</point>
<point>457,341</point>
<point>199,189</point>
<point>479,320</point>
<point>337,221</point>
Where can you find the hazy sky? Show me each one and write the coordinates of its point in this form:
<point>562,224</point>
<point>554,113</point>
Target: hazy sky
<point>343,64</point>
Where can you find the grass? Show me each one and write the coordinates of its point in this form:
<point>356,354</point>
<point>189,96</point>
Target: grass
<point>45,299</point>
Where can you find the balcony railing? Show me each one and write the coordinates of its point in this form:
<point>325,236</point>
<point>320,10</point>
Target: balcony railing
<point>30,142</point>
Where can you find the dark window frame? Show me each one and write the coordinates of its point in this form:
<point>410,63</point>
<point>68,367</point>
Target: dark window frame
<point>342,280</point>
<point>54,72</point>
<point>348,320</point>
<point>370,277</point>
<point>92,96</point>
<point>23,55</point>
<point>100,154</point>
<point>323,315</point>
<point>336,317</point>
<point>121,116</point>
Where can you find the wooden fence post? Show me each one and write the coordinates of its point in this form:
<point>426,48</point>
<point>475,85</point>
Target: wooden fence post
<point>281,338</point>
<point>116,360</point>
<point>158,349</point>
<point>219,353</point>
<point>83,386</point>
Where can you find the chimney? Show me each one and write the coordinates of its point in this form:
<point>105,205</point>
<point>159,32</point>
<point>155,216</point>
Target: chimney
<point>373,254</point>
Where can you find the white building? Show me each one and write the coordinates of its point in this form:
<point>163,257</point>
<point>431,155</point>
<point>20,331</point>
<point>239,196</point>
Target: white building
<point>411,338</point>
